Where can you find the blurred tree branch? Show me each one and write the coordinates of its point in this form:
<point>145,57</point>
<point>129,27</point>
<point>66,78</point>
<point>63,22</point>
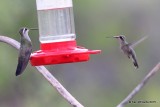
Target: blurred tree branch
<point>55,83</point>
<point>140,85</point>
<point>46,74</point>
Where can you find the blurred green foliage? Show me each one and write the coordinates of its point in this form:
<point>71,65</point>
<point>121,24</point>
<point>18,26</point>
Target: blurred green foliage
<point>103,81</point>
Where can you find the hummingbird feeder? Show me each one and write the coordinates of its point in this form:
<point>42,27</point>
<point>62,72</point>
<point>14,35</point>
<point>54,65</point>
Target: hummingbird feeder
<point>57,35</point>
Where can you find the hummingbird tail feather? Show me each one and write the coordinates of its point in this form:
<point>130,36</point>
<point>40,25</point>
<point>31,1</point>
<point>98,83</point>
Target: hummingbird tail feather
<point>135,64</point>
<point>135,61</point>
<point>133,57</point>
<point>19,69</point>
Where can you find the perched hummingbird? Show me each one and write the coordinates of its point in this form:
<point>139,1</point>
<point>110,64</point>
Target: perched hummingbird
<point>128,48</point>
<point>25,51</point>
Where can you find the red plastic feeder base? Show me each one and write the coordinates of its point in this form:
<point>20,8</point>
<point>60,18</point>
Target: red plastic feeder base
<point>60,52</point>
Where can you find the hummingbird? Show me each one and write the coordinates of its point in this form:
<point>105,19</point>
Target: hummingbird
<point>128,48</point>
<point>25,50</point>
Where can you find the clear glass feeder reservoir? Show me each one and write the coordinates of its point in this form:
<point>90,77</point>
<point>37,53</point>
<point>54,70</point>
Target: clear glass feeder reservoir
<point>57,35</point>
<point>55,19</point>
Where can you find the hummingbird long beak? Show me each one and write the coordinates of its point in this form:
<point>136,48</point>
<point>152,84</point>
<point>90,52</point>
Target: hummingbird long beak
<point>109,37</point>
<point>115,36</point>
<point>33,28</point>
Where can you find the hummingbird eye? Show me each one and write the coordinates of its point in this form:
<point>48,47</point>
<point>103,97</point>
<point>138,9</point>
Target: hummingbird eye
<point>122,38</point>
<point>24,30</point>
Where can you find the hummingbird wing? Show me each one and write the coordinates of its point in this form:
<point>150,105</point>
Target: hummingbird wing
<point>133,45</point>
<point>23,59</point>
